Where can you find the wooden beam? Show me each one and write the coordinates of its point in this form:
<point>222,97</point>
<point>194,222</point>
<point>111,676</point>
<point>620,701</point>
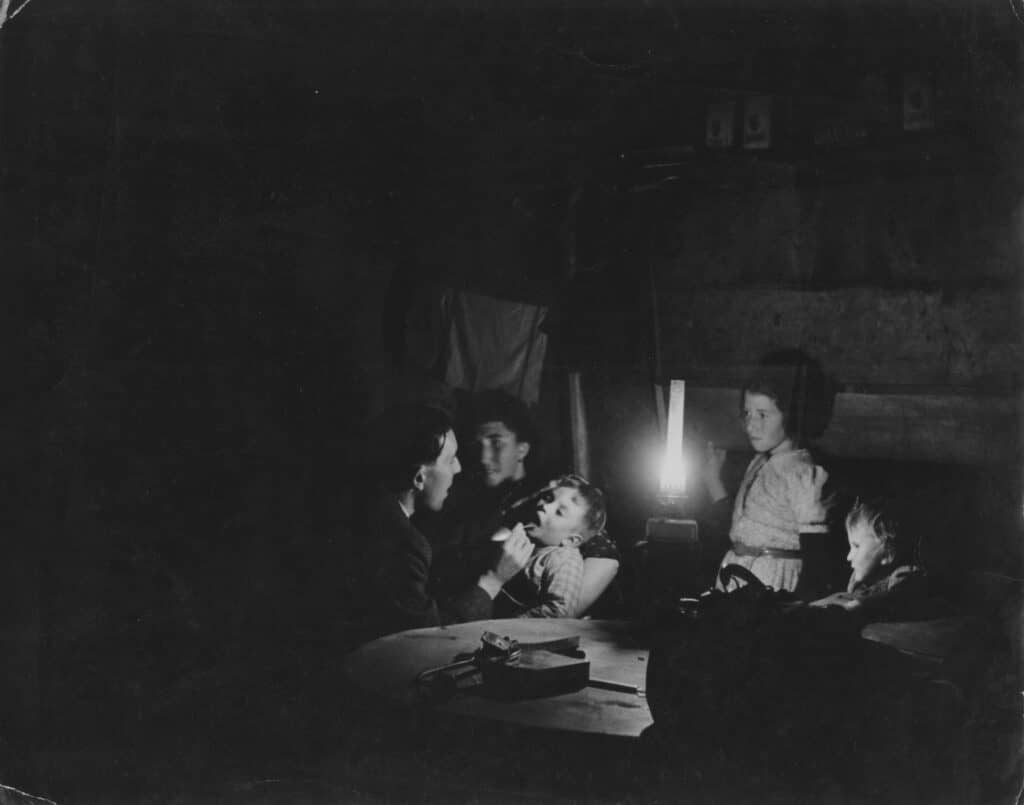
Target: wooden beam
<point>958,428</point>
<point>578,423</point>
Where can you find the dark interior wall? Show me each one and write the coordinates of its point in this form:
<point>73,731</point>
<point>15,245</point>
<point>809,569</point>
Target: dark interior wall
<point>216,215</point>
<point>906,281</point>
<point>892,255</point>
<point>212,217</point>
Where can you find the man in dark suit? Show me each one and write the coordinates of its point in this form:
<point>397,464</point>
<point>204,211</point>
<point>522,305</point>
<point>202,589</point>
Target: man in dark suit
<point>417,459</point>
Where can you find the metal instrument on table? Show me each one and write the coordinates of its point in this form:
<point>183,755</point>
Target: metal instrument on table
<point>445,679</point>
<point>504,668</point>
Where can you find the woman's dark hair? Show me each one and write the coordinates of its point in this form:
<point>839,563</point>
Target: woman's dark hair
<point>798,385</point>
<point>495,405</point>
<point>401,440</point>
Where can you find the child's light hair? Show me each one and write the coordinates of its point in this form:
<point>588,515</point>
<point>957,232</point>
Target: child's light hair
<point>884,524</point>
<point>597,515</point>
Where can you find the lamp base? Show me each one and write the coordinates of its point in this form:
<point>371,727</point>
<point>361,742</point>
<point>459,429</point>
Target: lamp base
<point>673,505</point>
<point>672,559</point>
<point>672,530</point>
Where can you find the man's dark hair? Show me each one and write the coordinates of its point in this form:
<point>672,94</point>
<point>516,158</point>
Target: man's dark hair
<point>496,405</point>
<point>402,439</point>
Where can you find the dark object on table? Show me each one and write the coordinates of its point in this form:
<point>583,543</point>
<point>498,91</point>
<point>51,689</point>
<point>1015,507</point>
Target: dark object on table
<point>463,672</point>
<point>510,670</point>
<point>537,673</point>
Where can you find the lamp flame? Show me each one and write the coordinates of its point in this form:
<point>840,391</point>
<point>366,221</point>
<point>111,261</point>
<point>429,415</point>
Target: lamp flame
<point>673,469</point>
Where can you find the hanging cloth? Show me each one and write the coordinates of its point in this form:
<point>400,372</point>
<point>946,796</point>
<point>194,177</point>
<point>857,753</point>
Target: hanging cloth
<point>494,343</point>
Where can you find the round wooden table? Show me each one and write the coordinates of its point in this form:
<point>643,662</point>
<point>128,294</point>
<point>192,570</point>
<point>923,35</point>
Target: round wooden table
<point>389,665</point>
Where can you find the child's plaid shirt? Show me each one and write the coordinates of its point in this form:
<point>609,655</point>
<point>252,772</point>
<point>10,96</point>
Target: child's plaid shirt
<point>556,575</point>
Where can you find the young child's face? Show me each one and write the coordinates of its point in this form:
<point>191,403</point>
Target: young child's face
<point>501,453</point>
<point>866,551</point>
<point>561,517</point>
<point>763,422</point>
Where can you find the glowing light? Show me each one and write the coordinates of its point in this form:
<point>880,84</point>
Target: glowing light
<point>673,469</point>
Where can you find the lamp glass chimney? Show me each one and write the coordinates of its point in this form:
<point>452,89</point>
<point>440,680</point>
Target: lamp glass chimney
<point>673,474</point>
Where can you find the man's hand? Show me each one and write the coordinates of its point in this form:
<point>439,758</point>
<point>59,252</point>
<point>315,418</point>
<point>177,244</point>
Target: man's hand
<point>515,551</point>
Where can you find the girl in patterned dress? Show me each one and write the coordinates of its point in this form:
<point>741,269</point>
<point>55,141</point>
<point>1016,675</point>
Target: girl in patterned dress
<point>781,498</point>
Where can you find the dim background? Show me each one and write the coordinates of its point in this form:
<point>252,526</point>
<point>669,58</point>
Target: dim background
<point>218,220</point>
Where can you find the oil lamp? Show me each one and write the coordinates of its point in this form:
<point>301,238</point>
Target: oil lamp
<point>671,547</point>
<point>672,489</point>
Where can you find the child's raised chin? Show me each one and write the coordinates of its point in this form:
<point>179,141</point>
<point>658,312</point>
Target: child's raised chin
<point>561,519</point>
